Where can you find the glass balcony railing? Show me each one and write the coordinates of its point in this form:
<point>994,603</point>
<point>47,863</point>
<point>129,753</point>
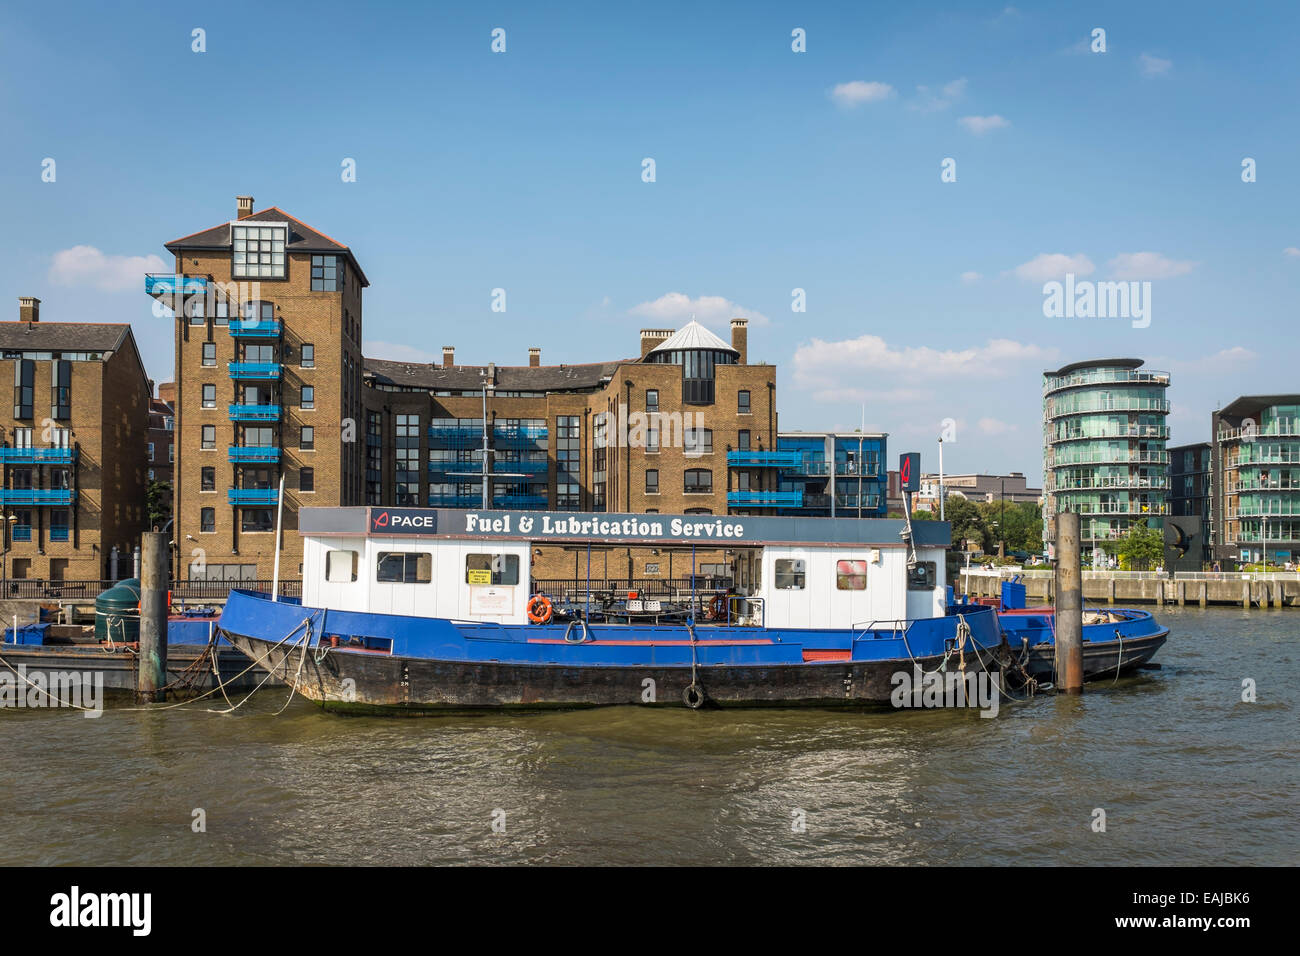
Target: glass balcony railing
<point>455,501</point>
<point>764,459</point>
<point>254,413</point>
<point>1106,375</point>
<point>765,499</point>
<point>519,501</point>
<point>523,467</point>
<point>255,370</point>
<point>255,329</point>
<point>245,454</point>
<point>253,496</point>
<point>162,283</point>
<point>22,532</point>
<point>38,456</point>
<point>58,533</point>
<point>37,496</point>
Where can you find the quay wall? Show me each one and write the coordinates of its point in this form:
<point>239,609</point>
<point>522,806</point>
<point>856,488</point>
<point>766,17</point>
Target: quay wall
<point>1112,587</point>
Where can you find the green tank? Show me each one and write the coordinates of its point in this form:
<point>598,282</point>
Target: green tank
<point>117,613</point>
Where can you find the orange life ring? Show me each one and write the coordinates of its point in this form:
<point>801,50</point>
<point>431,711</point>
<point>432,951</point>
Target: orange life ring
<point>539,609</point>
<point>718,607</point>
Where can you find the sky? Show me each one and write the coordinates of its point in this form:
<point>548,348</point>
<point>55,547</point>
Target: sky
<point>918,171</point>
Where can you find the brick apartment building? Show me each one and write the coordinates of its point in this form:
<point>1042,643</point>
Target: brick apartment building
<point>162,433</point>
<point>73,493</point>
<point>268,321</point>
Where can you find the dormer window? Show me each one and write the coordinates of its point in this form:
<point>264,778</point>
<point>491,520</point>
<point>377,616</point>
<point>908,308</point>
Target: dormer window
<point>258,250</point>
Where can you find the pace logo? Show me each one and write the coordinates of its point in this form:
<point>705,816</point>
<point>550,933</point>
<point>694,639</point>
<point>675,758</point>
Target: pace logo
<point>379,521</point>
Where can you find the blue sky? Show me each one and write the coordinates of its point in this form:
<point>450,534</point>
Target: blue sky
<point>775,170</point>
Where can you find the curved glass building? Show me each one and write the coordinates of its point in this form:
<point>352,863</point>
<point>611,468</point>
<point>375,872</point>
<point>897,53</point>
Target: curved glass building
<point>1104,447</point>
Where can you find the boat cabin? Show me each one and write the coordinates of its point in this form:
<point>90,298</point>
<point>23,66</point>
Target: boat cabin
<point>475,565</point>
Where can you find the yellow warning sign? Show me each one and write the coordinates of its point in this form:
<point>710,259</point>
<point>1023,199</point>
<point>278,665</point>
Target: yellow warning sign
<point>479,577</point>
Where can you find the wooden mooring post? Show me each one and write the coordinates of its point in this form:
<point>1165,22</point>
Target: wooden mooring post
<point>1069,605</point>
<point>151,673</point>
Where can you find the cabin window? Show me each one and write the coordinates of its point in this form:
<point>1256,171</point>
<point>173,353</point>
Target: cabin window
<point>404,567</point>
<point>850,575</point>
<point>922,577</point>
<point>491,569</point>
<point>790,574</point>
<point>340,566</point>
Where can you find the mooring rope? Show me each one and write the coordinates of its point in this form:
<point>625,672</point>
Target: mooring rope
<point>306,622</point>
<point>293,688</point>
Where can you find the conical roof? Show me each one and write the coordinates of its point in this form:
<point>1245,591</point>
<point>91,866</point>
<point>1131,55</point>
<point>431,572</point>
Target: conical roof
<point>693,336</point>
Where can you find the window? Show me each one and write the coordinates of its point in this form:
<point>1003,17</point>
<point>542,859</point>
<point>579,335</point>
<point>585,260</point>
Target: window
<point>151,451</point>
<point>340,566</point>
<point>850,575</point>
<point>308,357</point>
<point>308,396</point>
<point>326,273</point>
<point>209,353</point>
<point>789,574</point>
<point>491,569</point>
<point>221,312</point>
<point>404,567</point>
<point>258,313</point>
<point>151,474</point>
<point>59,525</point>
<point>193,307</point>
<point>922,576</point>
<point>307,441</point>
<point>742,439</point>
<point>406,459</point>
<point>697,441</point>
<point>209,440</point>
<point>698,481</point>
<point>22,438</point>
<point>652,481</point>
<point>652,399</point>
<point>61,390</point>
<point>24,389</point>
<point>207,479</point>
<point>568,461</point>
<point>307,479</point>
<point>207,519</point>
<point>652,440</point>
<point>258,251</point>
<point>209,396</point>
<point>257,519</point>
<point>742,402</point>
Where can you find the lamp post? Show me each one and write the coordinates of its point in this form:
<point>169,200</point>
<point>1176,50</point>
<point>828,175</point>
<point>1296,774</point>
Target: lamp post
<point>941,511</point>
<point>1002,520</point>
<point>488,386</point>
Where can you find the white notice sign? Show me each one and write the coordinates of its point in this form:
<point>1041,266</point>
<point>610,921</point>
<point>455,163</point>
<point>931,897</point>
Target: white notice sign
<point>491,600</point>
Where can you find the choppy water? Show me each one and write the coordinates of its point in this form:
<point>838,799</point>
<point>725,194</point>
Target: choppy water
<point>1185,771</point>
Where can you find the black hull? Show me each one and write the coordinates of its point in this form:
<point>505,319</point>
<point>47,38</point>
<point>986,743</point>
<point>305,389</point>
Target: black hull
<point>347,681</point>
<point>1100,659</point>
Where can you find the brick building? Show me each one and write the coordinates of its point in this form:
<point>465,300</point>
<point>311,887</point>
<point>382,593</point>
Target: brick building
<point>162,434</point>
<point>73,448</point>
<point>267,315</point>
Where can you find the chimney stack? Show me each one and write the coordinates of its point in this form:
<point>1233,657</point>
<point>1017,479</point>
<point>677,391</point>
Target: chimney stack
<point>740,339</point>
<point>167,393</point>
<point>449,356</point>
<point>29,309</point>
<point>243,207</point>
<point>653,337</point>
<point>534,358</point>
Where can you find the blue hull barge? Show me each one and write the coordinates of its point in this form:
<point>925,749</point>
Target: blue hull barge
<point>416,611</point>
<point>1115,641</point>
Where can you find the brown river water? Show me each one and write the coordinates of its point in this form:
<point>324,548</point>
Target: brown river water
<point>1185,771</point>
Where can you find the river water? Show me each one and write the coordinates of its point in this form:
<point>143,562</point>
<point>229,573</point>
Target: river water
<point>1184,770</point>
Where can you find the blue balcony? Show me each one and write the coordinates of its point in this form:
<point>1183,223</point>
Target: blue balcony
<point>522,467</point>
<point>455,501</point>
<point>38,456</point>
<point>519,501</point>
<point>253,496</point>
<point>262,371</point>
<point>37,496</point>
<point>58,533</point>
<point>456,432</point>
<point>163,283</point>
<point>763,459</point>
<point>247,454</point>
<point>765,499</point>
<point>22,532</point>
<point>525,437</point>
<point>254,413</point>
<point>255,329</point>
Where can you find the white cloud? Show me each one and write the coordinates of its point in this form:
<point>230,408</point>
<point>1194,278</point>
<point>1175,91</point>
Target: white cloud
<point>994,426</point>
<point>1147,265</point>
<point>1291,251</point>
<point>1153,65</point>
<point>707,309</point>
<point>858,92</point>
<point>837,368</point>
<point>979,125</point>
<point>401,352</point>
<point>1053,265</point>
<point>929,101</point>
<point>969,277</point>
<point>86,265</point>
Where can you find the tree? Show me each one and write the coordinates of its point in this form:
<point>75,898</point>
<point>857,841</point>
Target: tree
<point>968,522</point>
<point>160,503</point>
<point>1140,549</point>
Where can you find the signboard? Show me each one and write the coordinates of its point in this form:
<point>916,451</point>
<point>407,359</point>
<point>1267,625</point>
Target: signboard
<point>478,577</point>
<point>492,600</point>
<point>909,472</point>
